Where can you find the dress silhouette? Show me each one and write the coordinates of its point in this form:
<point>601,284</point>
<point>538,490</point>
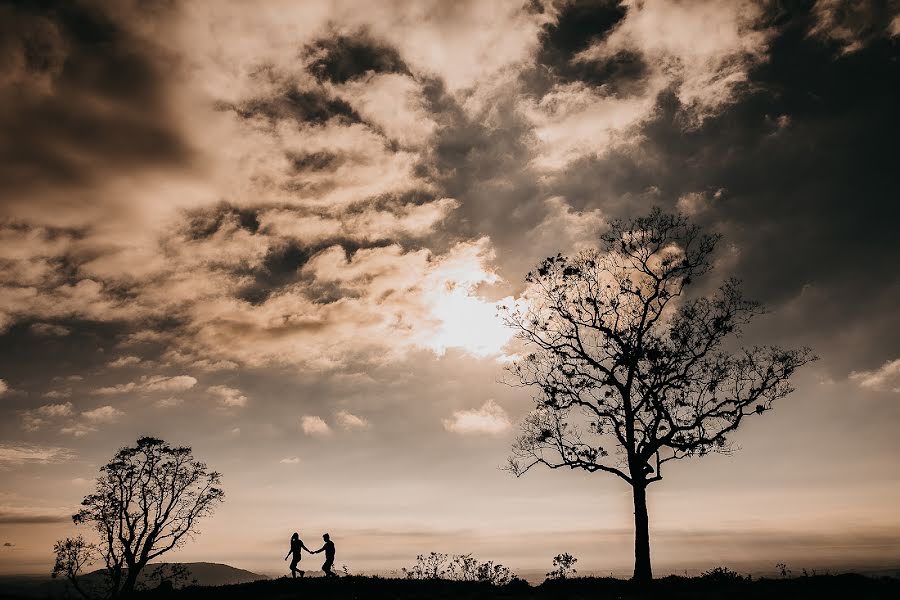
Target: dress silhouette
<point>329,555</point>
<point>296,546</point>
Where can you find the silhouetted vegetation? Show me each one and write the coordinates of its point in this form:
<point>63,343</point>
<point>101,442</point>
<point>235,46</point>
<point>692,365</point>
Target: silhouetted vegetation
<point>632,371</point>
<point>72,556</point>
<point>713,584</point>
<point>148,500</point>
<point>564,566</point>
<point>459,567</point>
<point>577,588</point>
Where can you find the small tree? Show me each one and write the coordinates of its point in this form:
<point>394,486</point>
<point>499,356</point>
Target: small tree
<point>564,566</point>
<point>148,500</point>
<point>632,374</point>
<point>72,556</point>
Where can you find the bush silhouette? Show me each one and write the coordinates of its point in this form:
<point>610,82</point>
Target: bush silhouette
<point>565,566</point>
<point>458,567</point>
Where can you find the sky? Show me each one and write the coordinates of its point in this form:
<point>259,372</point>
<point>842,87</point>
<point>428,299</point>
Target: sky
<point>278,232</point>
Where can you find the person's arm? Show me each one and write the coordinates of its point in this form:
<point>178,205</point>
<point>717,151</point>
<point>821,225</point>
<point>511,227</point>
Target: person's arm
<point>303,546</point>
<point>319,550</point>
<point>286,555</point>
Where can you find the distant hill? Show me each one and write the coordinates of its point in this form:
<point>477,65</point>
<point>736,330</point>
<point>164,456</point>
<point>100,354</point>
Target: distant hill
<point>207,574</point>
<point>203,573</point>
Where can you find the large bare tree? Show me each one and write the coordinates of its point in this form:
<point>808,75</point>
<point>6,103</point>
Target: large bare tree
<point>631,371</point>
<point>148,500</point>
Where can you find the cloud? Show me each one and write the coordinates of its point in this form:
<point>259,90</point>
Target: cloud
<point>16,455</point>
<point>178,383</point>
<point>313,425</point>
<point>348,420</point>
<point>228,397</point>
<point>575,119</point>
<point>289,461</point>
<point>77,429</point>
<point>33,420</point>
<point>124,361</point>
<point>4,387</point>
<point>30,516</point>
<point>121,388</point>
<point>169,402</point>
<point>886,378</point>
<point>695,203</point>
<point>57,394</point>
<point>566,228</point>
<point>340,58</point>
<point>489,419</point>
<point>155,383</point>
<point>854,25</point>
<point>49,329</point>
<point>704,51</point>
<point>87,423</point>
<point>55,410</point>
<point>103,414</point>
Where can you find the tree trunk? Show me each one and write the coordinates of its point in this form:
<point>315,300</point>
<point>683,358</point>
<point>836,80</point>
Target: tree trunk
<point>130,580</point>
<point>642,570</point>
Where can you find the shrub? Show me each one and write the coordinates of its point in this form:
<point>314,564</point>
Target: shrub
<point>722,575</point>
<point>459,567</point>
<point>565,566</point>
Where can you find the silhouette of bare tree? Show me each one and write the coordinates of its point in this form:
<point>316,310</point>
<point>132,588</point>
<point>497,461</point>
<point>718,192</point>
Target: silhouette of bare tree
<point>148,500</point>
<point>631,372</point>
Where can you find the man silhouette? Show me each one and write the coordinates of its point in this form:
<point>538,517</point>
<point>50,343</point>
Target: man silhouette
<point>329,555</point>
<point>296,546</point>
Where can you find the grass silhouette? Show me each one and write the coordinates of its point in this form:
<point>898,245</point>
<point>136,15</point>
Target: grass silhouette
<point>817,587</point>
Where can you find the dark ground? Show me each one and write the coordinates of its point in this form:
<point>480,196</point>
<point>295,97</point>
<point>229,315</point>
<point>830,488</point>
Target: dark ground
<point>855,587</point>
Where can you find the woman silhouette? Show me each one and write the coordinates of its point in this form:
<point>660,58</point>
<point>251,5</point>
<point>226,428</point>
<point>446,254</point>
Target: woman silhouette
<point>296,546</point>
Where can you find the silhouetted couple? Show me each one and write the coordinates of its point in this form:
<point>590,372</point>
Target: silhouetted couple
<point>297,546</point>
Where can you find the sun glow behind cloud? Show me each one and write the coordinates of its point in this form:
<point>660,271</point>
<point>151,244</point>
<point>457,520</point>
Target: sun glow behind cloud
<point>466,320</point>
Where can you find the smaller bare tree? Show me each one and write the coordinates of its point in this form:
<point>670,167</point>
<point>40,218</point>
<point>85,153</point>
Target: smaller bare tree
<point>72,556</point>
<point>148,500</point>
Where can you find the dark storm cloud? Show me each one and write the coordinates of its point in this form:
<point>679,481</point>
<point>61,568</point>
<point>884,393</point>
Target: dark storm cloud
<point>314,161</point>
<point>285,255</point>
<point>342,58</point>
<point>482,163</point>
<point>202,223</point>
<point>303,106</point>
<point>79,95</point>
<point>850,26</point>
<point>805,163</point>
<point>27,352</point>
<point>578,25</point>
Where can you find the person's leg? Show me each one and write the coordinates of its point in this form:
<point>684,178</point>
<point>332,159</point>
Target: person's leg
<point>327,568</point>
